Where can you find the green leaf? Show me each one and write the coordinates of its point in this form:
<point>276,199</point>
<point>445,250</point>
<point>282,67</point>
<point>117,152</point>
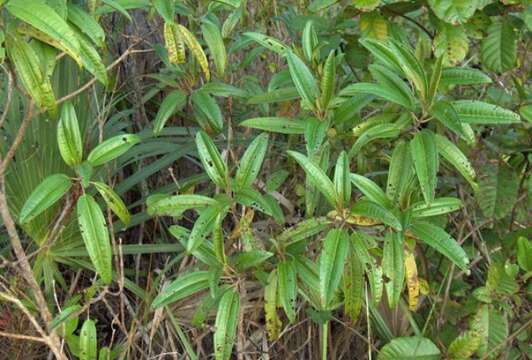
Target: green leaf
<point>273,323</point>
<point>215,42</point>
<point>203,225</point>
<point>499,48</point>
<point>248,259</point>
<point>65,314</point>
<point>464,346</point>
<point>366,5</point>
<point>400,172</point>
<point>442,242</point>
<point>454,156</point>
<point>268,42</point>
<point>463,76</point>
<point>112,148</point>
<point>177,204</point>
<point>211,159</point>
<point>226,324</point>
<point>387,93</point>
<point>87,341</point>
<point>435,80</point>
<point>182,287</point>
<point>353,286</point>
<point>316,176</point>
<point>377,212</point>
<point>499,185</point>
<point>303,79</point>
<point>492,326</point>
<point>86,24</point>
<point>393,267</point>
<point>445,113</point>
<point>309,40</point>
<point>451,43</point>
<point>412,348</point>
<point>116,5</point>
<point>381,131</point>
<point>371,190</point>
<point>328,80</point>
<point>335,248</point>
<point>113,201</point>
<point>91,60</point>
<point>411,67</point>
<point>42,17</point>
<point>47,193</point>
<point>95,236</point>
<point>303,230</point>
<point>478,112</point>
<point>27,66</point>
<point>453,11</point>
<point>439,206</point>
<point>524,253</point>
<point>274,96</point>
<point>287,288</point>
<point>69,136</point>
<point>282,125</point>
<point>173,102</point>
<point>207,111</point>
<point>425,156</point>
<point>342,182</point>
<point>165,8</point>
<point>251,162</point>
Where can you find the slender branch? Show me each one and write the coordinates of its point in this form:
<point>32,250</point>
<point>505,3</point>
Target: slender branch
<point>18,139</point>
<point>9,97</point>
<point>91,82</point>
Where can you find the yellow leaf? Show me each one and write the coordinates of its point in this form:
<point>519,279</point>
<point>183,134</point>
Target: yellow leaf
<point>194,46</point>
<point>412,280</point>
<point>374,26</point>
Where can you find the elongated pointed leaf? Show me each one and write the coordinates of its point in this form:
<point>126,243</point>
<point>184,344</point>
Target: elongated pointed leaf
<point>303,79</point>
<point>211,159</point>
<point>170,205</point>
<point>95,236</point>
<point>42,17</point>
<point>165,8</point>
<point>463,76</point>
<point>342,181</point>
<point>182,287</point>
<point>273,323</point>
<point>393,267</point>
<point>412,281</point>
<point>400,172</point>
<point>335,249</point>
<point>69,136</point>
<point>251,161</point>
<point>377,212</point>
<point>174,101</point>
<point>439,206</point>
<point>280,125</point>
<point>442,242</point>
<point>478,112</point>
<point>196,49</point>
<point>47,193</point>
<point>268,42</point>
<point>454,156</point>
<point>203,225</point>
<point>86,24</point>
<point>425,156</point>
<point>353,286</point>
<point>446,114</point>
<point>287,288</point>
<point>371,190</point>
<point>392,83</point>
<point>214,40</point>
<point>113,201</point>
<point>381,131</point>
<point>88,341</point>
<point>316,176</point>
<point>328,80</point>
<point>207,111</point>
<point>226,324</point>
<point>381,91</point>
<point>112,148</point>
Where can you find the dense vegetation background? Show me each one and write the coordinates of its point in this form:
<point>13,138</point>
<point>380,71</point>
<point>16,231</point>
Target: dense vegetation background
<point>265,179</point>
